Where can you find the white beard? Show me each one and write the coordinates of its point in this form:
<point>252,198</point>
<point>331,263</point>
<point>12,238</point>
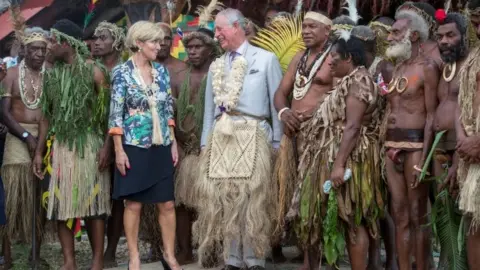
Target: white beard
<point>402,50</point>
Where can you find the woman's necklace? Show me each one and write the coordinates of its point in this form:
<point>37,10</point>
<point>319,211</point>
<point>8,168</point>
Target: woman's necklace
<point>33,103</point>
<point>151,94</point>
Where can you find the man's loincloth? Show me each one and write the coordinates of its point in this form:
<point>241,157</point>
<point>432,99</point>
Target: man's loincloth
<point>18,177</point>
<point>77,189</point>
<point>405,139</point>
<point>399,140</point>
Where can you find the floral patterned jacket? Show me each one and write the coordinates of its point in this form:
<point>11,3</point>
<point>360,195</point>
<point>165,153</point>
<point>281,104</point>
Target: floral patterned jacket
<point>130,114</point>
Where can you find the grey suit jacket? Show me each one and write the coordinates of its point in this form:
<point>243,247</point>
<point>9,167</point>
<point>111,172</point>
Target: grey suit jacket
<point>262,79</point>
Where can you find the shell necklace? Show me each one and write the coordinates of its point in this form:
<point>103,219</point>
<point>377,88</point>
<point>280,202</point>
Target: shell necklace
<point>33,103</point>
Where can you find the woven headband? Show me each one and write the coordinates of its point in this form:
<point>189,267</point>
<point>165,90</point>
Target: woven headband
<point>430,21</point>
<point>379,24</point>
<point>318,17</point>
<point>474,12</point>
<point>35,36</point>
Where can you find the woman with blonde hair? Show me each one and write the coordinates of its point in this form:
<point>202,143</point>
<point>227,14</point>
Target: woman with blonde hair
<point>141,123</point>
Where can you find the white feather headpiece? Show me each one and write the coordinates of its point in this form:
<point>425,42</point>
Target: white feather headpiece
<point>448,4</point>
<point>352,10</point>
<point>205,13</point>
<point>298,8</point>
<point>344,34</point>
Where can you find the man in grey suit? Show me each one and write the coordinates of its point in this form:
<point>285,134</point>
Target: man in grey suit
<point>235,187</point>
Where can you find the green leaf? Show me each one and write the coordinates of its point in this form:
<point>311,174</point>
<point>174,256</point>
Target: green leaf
<point>331,254</point>
<point>426,165</point>
<point>340,244</point>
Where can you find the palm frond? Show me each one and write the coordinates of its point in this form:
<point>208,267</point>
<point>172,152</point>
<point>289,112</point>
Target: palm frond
<point>447,224</point>
<point>283,38</point>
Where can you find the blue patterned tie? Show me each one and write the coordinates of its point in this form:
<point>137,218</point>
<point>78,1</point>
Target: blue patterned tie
<point>232,56</point>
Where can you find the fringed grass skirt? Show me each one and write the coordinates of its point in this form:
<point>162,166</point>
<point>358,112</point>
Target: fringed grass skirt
<point>186,175</point>
<point>285,174</point>
<point>360,200</point>
<point>77,189</point>
<point>18,177</point>
<point>236,190</point>
<point>469,182</point>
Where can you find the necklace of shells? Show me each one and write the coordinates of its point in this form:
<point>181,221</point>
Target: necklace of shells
<point>33,103</point>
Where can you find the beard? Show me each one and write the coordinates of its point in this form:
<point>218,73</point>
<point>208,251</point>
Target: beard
<point>400,51</point>
<point>455,52</point>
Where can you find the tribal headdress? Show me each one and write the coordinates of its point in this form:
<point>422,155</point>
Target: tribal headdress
<point>23,34</point>
<point>424,10</point>
<point>35,34</point>
<point>381,26</point>
<point>346,22</point>
<point>117,33</point>
<point>205,14</point>
<point>67,31</point>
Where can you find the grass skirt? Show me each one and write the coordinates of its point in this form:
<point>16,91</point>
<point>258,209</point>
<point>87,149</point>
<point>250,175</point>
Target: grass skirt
<point>285,174</point>
<point>17,176</point>
<point>77,189</point>
<point>236,192</point>
<point>469,182</point>
<point>360,200</point>
<point>185,178</point>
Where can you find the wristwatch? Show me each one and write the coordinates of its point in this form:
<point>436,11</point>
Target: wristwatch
<point>25,135</point>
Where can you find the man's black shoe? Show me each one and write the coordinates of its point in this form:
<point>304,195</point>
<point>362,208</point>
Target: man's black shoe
<point>230,267</point>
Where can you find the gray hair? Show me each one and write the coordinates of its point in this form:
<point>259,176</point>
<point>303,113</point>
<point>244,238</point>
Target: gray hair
<point>363,32</point>
<point>234,16</point>
<point>29,31</point>
<point>343,19</point>
<point>416,23</point>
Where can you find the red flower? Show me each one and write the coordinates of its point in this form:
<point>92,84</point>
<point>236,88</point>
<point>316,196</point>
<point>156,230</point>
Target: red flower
<point>440,15</point>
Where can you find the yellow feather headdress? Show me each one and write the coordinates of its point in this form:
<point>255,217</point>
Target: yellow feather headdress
<point>283,38</point>
<point>205,13</point>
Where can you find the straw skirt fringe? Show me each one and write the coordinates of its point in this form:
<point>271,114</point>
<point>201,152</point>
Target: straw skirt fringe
<point>18,177</point>
<point>237,193</point>
<point>77,188</point>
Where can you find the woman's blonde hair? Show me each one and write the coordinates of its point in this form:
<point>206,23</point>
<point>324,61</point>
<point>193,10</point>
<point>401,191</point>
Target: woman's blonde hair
<point>142,31</point>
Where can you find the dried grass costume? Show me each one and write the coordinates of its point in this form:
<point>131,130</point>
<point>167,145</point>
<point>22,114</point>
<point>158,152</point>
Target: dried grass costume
<point>469,174</point>
<point>78,121</point>
<point>360,199</point>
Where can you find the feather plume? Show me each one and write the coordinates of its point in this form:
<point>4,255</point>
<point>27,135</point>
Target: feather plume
<point>352,10</point>
<point>344,34</point>
<point>448,4</point>
<point>205,13</point>
<point>18,22</point>
<point>284,39</point>
<point>298,7</point>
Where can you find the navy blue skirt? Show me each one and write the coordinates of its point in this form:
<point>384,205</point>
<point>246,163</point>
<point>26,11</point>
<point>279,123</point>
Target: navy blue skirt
<point>150,177</point>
